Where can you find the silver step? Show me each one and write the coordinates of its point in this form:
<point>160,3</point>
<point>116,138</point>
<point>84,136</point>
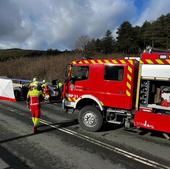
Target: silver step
<point>114,122</point>
<point>116,111</point>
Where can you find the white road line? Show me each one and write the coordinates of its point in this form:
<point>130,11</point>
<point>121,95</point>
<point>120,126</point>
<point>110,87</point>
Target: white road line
<point>109,147</point>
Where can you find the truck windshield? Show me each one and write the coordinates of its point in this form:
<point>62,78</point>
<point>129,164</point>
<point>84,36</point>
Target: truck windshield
<point>79,72</point>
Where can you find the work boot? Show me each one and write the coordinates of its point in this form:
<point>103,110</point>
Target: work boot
<point>35,130</point>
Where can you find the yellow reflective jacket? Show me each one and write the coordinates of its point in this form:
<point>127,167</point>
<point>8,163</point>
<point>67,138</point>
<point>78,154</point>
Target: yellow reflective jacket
<point>34,93</point>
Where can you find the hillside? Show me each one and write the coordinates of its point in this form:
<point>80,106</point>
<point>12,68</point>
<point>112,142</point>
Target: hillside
<point>8,54</point>
<point>26,64</point>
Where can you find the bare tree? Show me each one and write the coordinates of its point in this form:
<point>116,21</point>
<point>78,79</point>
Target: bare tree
<point>82,42</point>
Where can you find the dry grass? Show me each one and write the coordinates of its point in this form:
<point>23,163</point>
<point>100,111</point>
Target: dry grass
<point>46,67</point>
<point>43,67</point>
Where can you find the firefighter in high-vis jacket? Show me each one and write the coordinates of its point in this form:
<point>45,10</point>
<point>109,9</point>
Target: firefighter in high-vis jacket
<point>45,91</point>
<point>33,101</point>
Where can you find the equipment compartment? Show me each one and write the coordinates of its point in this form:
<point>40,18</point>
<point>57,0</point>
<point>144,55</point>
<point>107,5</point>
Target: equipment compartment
<point>155,94</point>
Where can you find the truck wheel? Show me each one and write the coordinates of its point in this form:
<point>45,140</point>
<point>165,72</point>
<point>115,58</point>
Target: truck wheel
<point>90,118</point>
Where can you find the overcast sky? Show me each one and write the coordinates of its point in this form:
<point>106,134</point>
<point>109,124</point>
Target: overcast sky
<point>57,24</point>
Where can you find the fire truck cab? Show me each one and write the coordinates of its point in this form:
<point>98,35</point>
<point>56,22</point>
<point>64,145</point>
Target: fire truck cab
<point>120,91</point>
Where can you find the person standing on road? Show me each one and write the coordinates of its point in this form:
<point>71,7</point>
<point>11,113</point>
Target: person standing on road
<point>33,101</point>
<point>45,91</point>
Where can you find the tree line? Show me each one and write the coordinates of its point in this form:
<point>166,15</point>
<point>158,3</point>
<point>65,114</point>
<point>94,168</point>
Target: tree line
<point>130,39</point>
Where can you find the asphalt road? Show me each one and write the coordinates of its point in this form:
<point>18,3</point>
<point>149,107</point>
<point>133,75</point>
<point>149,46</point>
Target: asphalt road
<point>62,144</point>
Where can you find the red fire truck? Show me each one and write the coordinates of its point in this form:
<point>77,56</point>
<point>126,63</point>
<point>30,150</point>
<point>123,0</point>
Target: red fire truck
<point>121,91</point>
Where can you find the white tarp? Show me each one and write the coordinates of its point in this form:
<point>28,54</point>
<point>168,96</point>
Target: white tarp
<point>6,90</point>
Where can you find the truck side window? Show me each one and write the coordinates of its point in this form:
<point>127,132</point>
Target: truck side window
<point>80,72</point>
<point>114,73</point>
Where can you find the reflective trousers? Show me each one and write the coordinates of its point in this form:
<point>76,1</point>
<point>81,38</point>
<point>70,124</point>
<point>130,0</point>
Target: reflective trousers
<point>35,110</point>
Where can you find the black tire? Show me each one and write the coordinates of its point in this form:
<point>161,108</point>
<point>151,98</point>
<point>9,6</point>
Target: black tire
<point>93,124</point>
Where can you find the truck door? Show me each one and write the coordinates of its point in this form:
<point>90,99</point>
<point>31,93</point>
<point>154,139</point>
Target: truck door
<point>115,79</point>
<point>78,83</point>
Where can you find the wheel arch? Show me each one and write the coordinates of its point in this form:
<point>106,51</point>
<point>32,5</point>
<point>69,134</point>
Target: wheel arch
<point>88,100</point>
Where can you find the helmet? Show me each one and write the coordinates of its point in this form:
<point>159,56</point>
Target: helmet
<point>34,79</point>
<point>43,81</point>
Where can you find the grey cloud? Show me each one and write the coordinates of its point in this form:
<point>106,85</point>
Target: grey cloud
<point>9,17</point>
<point>43,24</point>
<point>12,31</point>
